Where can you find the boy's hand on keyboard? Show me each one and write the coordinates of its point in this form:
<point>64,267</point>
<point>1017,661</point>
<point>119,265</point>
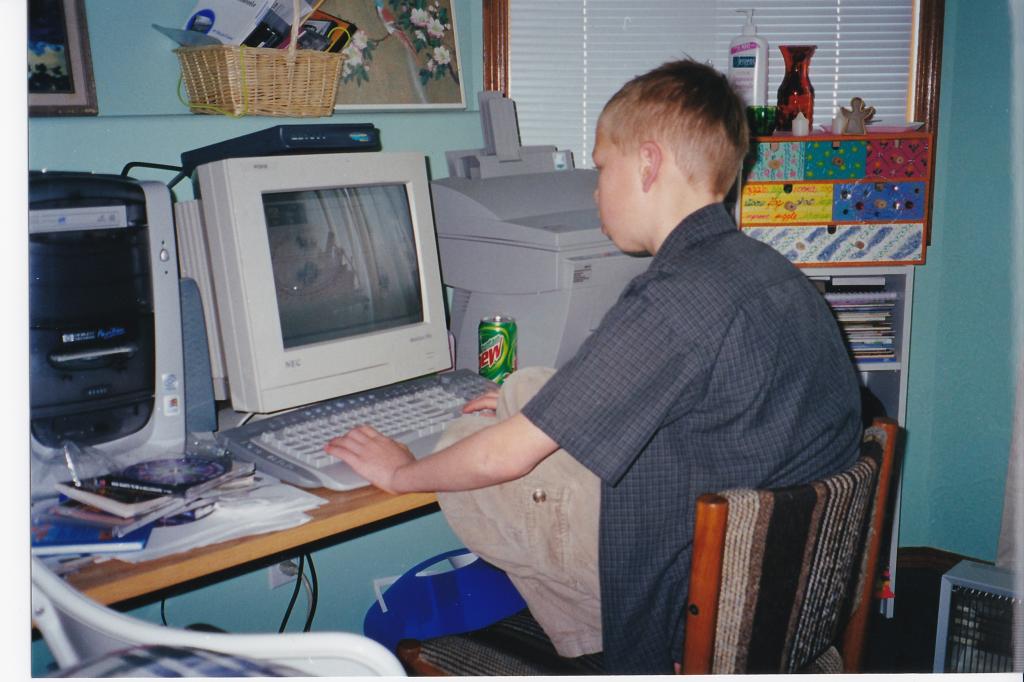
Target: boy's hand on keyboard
<point>487,402</point>
<point>372,455</point>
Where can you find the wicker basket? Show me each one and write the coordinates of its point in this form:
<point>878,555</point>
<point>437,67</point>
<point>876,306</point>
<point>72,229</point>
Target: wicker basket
<point>239,81</point>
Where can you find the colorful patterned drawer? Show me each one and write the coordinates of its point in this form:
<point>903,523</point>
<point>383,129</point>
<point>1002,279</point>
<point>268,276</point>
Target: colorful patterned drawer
<point>778,161</point>
<point>833,200</point>
<point>785,203</point>
<point>852,244</point>
<point>835,160</point>
<point>879,201</point>
<point>899,158</point>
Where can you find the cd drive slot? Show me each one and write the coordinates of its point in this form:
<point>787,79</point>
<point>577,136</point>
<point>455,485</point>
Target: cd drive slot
<point>89,358</point>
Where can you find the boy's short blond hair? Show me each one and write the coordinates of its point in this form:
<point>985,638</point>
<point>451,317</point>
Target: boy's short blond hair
<point>690,109</point>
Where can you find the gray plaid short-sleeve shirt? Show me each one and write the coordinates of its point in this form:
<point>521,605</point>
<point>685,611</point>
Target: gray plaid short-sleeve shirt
<point>720,366</point>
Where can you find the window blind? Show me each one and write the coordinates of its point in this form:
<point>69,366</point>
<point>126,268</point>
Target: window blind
<point>567,57</point>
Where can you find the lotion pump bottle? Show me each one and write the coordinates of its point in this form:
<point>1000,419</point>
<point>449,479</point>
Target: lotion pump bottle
<point>748,63</point>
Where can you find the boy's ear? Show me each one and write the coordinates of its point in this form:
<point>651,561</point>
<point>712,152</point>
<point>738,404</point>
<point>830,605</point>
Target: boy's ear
<point>650,163</point>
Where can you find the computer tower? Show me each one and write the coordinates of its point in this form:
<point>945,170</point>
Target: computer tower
<point>105,343</point>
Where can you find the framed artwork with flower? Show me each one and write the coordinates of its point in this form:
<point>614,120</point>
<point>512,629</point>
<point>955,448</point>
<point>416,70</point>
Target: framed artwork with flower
<point>60,80</point>
<point>398,54</point>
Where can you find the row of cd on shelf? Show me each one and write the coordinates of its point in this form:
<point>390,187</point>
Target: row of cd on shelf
<point>866,319</point>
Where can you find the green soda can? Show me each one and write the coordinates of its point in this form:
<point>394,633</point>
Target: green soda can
<point>497,335</point>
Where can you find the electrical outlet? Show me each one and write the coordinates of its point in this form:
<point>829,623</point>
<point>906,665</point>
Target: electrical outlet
<point>281,574</point>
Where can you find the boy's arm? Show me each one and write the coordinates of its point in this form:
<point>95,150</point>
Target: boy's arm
<point>505,451</point>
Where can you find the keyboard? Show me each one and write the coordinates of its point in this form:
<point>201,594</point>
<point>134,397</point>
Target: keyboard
<point>290,445</point>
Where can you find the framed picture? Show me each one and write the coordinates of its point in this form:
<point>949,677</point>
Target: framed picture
<point>60,81</point>
<point>399,54</point>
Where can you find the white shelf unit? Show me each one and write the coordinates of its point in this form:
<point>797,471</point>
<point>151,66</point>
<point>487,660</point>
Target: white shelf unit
<point>886,380</point>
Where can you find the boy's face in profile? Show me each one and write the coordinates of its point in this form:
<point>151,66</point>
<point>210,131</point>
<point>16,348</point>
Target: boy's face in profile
<point>619,195</point>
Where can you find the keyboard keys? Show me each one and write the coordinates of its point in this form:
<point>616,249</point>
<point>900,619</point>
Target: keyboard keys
<point>414,413</point>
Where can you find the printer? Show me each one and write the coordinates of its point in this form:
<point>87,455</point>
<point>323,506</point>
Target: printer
<point>519,235</point>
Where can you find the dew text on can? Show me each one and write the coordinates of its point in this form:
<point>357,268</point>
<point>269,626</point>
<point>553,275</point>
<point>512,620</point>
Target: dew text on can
<point>497,335</point>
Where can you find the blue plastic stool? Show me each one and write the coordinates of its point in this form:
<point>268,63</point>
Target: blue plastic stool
<point>421,604</point>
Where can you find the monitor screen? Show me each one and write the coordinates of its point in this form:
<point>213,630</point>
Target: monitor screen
<point>324,274</point>
<point>344,262</point>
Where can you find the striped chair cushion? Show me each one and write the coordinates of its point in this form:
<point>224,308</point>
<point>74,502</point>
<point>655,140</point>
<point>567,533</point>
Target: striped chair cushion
<point>514,646</point>
<point>792,561</point>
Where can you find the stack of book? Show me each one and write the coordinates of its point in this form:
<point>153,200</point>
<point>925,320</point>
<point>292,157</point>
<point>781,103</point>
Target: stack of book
<point>116,512</point>
<point>866,319</point>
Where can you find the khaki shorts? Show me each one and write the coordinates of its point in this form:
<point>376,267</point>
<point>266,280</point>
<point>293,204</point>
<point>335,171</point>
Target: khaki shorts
<point>541,529</point>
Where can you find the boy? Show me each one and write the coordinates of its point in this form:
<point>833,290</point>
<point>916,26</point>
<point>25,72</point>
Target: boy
<point>720,366</point>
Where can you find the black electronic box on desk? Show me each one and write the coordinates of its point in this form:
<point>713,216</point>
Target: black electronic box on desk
<point>302,138</point>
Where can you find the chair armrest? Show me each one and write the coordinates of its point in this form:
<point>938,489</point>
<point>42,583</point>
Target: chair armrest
<point>705,580</point>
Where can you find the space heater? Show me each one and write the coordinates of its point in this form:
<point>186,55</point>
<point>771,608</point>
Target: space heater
<point>979,625</point>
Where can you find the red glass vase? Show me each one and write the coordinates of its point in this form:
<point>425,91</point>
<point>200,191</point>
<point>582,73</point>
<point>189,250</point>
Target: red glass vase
<point>796,94</point>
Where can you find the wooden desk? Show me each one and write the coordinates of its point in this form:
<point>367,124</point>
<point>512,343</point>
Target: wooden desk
<point>114,581</point>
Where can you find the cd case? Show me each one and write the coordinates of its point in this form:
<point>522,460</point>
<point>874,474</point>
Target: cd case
<point>61,538</point>
<point>148,486</point>
<point>174,476</point>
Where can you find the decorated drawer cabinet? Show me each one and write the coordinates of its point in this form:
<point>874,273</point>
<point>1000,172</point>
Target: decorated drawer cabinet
<point>840,200</point>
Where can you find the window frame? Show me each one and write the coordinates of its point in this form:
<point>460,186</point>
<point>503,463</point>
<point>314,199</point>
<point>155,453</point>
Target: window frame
<point>923,90</point>
<point>925,83</point>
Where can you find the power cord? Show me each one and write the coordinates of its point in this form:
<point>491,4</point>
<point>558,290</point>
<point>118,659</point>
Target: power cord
<point>201,627</point>
<point>182,174</point>
<point>314,596</point>
<point>311,584</point>
<point>295,595</point>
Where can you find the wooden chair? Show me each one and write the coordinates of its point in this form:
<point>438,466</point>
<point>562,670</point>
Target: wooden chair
<point>752,607</point>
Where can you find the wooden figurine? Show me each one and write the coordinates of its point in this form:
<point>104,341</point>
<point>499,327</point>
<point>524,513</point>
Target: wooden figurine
<point>856,117</point>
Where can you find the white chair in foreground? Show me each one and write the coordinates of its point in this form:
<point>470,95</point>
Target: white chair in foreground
<point>78,629</point>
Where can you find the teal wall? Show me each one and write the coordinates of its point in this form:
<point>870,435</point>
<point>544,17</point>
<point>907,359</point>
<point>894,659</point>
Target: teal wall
<point>961,368</point>
<point>142,119</point>
<point>961,393</point>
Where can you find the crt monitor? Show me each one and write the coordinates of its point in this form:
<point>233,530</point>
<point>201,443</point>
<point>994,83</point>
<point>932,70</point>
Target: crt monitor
<point>325,275</point>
